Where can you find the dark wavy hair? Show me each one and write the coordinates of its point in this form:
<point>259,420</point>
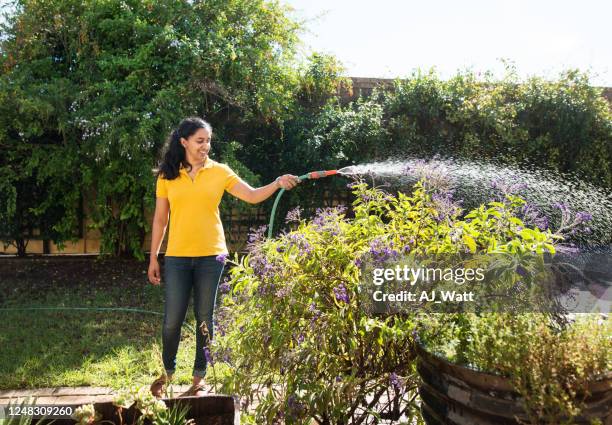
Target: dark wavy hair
<point>174,152</point>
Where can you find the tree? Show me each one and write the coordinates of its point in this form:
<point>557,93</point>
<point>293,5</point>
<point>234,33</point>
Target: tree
<point>105,81</point>
<point>39,169</point>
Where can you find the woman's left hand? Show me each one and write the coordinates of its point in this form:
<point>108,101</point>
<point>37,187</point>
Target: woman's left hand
<point>287,181</point>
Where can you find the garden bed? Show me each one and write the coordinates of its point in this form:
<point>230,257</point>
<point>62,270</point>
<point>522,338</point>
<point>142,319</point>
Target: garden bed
<point>35,274</point>
<point>204,410</point>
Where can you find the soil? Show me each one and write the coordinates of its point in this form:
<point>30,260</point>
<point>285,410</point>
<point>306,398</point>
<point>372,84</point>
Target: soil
<point>36,274</point>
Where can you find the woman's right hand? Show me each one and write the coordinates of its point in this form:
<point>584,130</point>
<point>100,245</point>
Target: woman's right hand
<point>154,272</point>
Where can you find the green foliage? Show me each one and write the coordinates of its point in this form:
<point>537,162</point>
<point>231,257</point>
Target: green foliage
<point>329,138</point>
<point>564,124</point>
<point>40,173</point>
<point>231,205</point>
<point>321,80</point>
<point>104,82</point>
<point>299,143</point>
<point>292,146</point>
<point>415,113</point>
<point>549,365</point>
<point>151,410</point>
<point>40,193</point>
<point>342,134</point>
<point>96,86</point>
<point>294,324</point>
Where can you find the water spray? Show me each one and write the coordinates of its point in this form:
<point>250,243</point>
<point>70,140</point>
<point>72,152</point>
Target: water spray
<point>351,170</point>
<point>473,182</point>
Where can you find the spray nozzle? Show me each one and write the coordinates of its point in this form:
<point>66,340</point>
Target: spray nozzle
<point>319,174</point>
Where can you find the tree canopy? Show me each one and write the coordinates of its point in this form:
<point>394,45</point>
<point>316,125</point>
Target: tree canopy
<point>90,89</point>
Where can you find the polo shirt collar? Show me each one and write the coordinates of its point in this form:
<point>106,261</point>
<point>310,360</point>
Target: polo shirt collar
<point>207,164</point>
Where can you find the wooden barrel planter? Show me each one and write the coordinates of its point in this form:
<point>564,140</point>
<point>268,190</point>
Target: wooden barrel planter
<point>455,395</point>
<point>204,410</point>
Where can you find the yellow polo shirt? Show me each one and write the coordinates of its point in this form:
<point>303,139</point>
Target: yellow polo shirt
<point>195,223</point>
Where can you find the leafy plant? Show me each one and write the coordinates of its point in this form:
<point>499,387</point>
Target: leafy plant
<point>90,90</point>
<point>151,409</point>
<point>549,365</point>
<point>563,124</point>
<point>294,324</point>
<point>86,414</point>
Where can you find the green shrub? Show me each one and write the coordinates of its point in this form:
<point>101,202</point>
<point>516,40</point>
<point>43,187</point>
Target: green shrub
<point>293,323</point>
<point>564,124</point>
<point>101,84</point>
<point>549,365</point>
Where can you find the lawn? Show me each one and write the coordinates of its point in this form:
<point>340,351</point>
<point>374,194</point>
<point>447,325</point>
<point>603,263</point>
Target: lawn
<point>74,347</point>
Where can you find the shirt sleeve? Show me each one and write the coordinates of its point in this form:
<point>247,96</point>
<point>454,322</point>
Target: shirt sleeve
<point>231,178</point>
<point>162,188</point>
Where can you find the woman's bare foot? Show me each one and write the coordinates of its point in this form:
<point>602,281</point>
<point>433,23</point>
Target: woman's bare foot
<point>158,387</point>
<point>197,388</point>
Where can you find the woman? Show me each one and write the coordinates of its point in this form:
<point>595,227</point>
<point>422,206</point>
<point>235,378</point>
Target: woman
<point>189,188</point>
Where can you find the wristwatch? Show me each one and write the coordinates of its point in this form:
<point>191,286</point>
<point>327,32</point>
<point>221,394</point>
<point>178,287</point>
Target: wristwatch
<point>278,182</point>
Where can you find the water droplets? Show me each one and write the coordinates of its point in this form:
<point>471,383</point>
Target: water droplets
<point>477,182</point>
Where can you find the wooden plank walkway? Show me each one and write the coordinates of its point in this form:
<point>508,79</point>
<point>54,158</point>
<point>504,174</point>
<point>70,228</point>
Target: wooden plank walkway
<point>71,395</point>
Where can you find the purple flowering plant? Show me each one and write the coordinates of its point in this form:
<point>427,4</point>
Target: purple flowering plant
<point>295,318</point>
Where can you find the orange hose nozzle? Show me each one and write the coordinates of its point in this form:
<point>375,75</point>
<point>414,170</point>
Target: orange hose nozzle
<point>319,174</point>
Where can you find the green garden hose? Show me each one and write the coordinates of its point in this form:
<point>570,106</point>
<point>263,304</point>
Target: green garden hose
<point>311,175</point>
<point>123,309</point>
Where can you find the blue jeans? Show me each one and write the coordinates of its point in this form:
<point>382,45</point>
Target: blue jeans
<point>181,274</point>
